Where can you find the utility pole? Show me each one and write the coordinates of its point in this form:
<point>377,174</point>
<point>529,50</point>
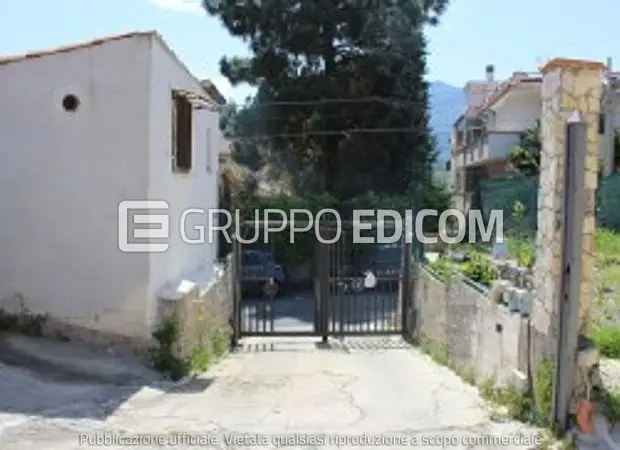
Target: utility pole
<point>609,115</point>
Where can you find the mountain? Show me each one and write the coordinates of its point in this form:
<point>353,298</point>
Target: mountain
<point>446,103</point>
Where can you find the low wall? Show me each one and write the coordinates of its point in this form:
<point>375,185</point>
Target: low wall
<point>204,317</point>
<point>479,336</point>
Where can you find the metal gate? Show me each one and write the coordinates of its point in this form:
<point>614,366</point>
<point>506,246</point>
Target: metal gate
<point>365,284</point>
<point>322,284</point>
<point>275,281</point>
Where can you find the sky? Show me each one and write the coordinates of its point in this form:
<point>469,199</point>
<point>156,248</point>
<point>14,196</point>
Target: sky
<point>471,34</point>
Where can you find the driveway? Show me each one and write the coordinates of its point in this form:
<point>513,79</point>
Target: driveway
<point>346,394</point>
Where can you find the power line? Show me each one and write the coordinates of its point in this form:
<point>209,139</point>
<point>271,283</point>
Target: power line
<point>205,103</point>
<point>299,118</point>
<point>324,101</point>
<point>328,133</point>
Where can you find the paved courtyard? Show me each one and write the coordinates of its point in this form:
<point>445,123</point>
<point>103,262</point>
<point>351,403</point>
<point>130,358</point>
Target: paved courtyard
<point>288,390</point>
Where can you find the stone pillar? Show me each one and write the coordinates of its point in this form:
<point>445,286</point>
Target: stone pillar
<point>568,86</point>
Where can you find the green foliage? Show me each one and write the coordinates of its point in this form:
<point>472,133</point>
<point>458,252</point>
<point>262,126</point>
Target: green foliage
<point>479,269</point>
<point>519,405</point>
<point>520,244</point>
<point>163,355</point>
<point>332,50</point>
<point>23,322</point>
<point>525,157</point>
<point>606,336</point>
<point>543,392</point>
<point>286,252</point>
<point>518,210</point>
<point>436,195</point>
<point>527,254</point>
<point>220,342</point>
<point>440,354</point>
<point>532,407</point>
<point>607,244</point>
<point>442,268</point>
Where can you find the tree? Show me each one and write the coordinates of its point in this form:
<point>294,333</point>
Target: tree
<point>307,56</point>
<point>525,157</point>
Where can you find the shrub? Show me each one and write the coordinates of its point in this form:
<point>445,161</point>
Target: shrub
<point>443,268</point>
<point>607,339</point>
<point>543,392</point>
<point>523,250</point>
<point>520,244</point>
<point>479,269</point>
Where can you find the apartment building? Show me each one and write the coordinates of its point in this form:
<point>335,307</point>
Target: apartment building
<point>496,115</point>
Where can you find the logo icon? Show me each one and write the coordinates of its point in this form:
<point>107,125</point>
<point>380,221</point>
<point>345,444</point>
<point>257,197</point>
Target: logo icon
<point>147,232</point>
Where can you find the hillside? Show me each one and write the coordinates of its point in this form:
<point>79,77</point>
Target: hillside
<point>446,103</point>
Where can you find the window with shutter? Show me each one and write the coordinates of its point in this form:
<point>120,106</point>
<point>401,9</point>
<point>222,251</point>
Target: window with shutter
<point>182,134</point>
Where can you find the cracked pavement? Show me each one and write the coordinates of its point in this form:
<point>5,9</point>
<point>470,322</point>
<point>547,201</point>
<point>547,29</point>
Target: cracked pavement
<point>354,388</point>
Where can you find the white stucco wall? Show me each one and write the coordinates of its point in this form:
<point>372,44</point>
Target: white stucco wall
<point>518,111</point>
<point>197,189</point>
<point>62,177</point>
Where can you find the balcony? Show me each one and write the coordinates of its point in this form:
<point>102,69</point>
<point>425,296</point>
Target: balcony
<point>491,145</point>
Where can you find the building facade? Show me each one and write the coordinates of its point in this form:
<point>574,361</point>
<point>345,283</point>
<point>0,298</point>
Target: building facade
<point>83,129</point>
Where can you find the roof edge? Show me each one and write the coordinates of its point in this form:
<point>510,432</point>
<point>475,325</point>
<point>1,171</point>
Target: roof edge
<point>5,60</point>
<point>211,90</point>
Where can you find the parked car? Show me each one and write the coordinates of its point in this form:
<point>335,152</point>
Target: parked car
<point>377,268</point>
<point>261,273</point>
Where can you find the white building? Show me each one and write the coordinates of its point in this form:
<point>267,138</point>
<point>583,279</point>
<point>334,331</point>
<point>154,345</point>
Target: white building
<point>83,128</point>
<point>496,115</point>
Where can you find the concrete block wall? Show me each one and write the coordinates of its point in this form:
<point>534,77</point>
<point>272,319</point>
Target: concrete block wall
<point>479,336</point>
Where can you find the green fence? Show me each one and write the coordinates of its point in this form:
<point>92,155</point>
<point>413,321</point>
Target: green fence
<point>501,194</point>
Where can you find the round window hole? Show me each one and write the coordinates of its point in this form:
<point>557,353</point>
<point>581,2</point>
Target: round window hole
<point>70,103</point>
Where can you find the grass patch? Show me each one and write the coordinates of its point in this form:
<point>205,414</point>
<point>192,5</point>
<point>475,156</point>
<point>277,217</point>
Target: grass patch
<point>443,269</point>
<point>164,355</point>
<point>607,244</point>
<point>531,407</point>
<point>605,319</point>
<point>528,407</point>
<point>523,250</point>
<point>607,339</point>
<point>439,353</point>
<point>518,406</point>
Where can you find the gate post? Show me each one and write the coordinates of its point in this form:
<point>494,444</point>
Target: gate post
<point>236,258</point>
<point>324,290</point>
<point>405,299</point>
<point>571,266</point>
<point>565,236</point>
